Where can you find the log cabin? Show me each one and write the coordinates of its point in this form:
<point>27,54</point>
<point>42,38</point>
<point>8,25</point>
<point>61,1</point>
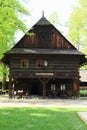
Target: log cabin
<point>44,63</point>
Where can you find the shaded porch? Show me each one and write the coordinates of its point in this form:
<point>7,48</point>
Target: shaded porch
<point>44,87</point>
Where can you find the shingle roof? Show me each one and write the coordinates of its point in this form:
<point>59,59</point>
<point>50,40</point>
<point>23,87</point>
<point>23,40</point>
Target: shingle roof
<point>44,51</point>
<point>43,21</point>
<point>61,51</point>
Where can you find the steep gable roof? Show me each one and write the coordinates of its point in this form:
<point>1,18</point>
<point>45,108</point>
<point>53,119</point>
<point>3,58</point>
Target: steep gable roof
<point>44,38</point>
<point>43,21</point>
<point>51,37</point>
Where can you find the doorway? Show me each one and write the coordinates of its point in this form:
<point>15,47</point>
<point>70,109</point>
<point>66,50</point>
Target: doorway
<point>35,87</point>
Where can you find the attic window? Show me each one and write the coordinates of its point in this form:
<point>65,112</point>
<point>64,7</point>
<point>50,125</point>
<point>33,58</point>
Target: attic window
<point>52,32</point>
<point>24,63</point>
<point>43,35</point>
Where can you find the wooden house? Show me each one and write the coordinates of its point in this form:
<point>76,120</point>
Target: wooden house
<point>44,63</point>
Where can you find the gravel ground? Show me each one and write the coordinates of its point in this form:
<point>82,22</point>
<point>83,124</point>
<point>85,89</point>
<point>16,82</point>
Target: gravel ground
<point>38,102</point>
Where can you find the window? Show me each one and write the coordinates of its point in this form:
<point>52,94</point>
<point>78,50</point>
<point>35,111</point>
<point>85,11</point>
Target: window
<point>24,63</point>
<point>62,86</point>
<point>40,63</point>
<point>53,87</point>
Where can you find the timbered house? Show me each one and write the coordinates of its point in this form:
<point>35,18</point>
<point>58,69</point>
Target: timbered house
<point>44,63</point>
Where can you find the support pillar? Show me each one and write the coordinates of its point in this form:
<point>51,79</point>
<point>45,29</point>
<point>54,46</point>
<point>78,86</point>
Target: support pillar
<point>44,89</point>
<point>76,87</point>
<point>10,87</point>
<point>44,83</point>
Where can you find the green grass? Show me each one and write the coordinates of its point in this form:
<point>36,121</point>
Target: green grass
<point>83,92</point>
<point>41,119</point>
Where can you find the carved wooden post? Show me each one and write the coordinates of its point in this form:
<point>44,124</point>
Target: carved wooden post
<point>76,87</point>
<point>44,88</point>
<point>10,87</point>
<point>44,83</point>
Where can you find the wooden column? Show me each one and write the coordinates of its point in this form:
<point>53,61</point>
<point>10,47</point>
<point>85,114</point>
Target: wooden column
<point>10,87</point>
<point>44,83</point>
<point>76,87</point>
<point>44,89</point>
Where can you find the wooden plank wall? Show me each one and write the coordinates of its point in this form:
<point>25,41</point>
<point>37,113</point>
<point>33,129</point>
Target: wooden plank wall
<point>56,64</point>
<point>44,37</point>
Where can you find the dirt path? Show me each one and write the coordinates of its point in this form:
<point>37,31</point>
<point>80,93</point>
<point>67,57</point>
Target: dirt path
<point>37,102</point>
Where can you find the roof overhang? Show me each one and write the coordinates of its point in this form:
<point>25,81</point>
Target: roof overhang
<point>38,51</point>
<point>44,51</point>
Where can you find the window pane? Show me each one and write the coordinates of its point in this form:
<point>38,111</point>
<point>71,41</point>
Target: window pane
<point>24,63</point>
<point>62,86</point>
<point>40,63</point>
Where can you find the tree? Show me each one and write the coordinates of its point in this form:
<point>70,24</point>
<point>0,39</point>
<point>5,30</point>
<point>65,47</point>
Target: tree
<point>78,25</point>
<point>9,24</point>
<point>53,18</point>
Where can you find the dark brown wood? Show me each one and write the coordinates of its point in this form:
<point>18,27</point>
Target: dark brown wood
<point>44,37</point>
<point>44,85</point>
<point>76,87</point>
<point>10,87</point>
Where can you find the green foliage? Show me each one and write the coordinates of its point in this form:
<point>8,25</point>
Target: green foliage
<point>53,18</point>
<point>9,22</point>
<point>78,25</point>
<point>41,119</point>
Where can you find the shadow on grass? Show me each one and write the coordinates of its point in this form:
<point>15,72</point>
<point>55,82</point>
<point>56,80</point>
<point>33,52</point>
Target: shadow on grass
<point>41,119</point>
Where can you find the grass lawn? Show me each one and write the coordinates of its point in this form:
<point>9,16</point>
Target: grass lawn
<point>83,92</point>
<point>41,119</point>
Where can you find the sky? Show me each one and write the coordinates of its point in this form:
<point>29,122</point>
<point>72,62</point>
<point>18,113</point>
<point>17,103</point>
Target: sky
<point>35,7</point>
